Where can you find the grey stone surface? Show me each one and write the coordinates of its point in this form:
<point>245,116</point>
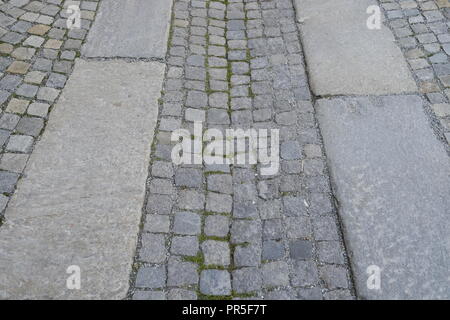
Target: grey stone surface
<point>275,274</point>
<point>247,255</point>
<point>149,295</point>
<point>4,135</point>
<point>392,184</point>
<point>217,225</point>
<point>153,248</point>
<point>247,280</point>
<point>151,277</point>
<point>273,250</point>
<point>217,202</point>
<point>157,223</point>
<point>184,246</point>
<point>146,21</point>
<point>181,294</point>
<point>305,274</point>
<point>215,282</point>
<point>19,143</point>
<point>8,181</point>
<point>188,223</point>
<point>181,273</point>
<point>344,56</point>
<point>101,180</point>
<point>301,249</point>
<point>14,162</point>
<point>241,232</point>
<point>216,252</point>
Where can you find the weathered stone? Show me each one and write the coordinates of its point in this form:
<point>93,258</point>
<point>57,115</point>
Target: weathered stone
<point>157,223</point>
<point>354,43</point>
<point>216,252</point>
<point>301,249</point>
<point>217,202</point>
<point>215,282</point>
<point>245,231</point>
<point>97,196</point>
<point>148,22</point>
<point>20,143</point>
<point>181,294</point>
<point>39,29</point>
<point>17,106</point>
<point>273,250</point>
<point>187,223</point>
<point>151,277</point>
<point>184,246</point>
<point>406,238</point>
<point>275,273</point>
<point>217,225</point>
<point>247,256</point>
<point>19,67</point>
<point>305,273</point>
<point>8,181</point>
<point>191,200</point>
<point>247,280</point>
<point>14,162</point>
<point>149,295</point>
<point>181,273</point>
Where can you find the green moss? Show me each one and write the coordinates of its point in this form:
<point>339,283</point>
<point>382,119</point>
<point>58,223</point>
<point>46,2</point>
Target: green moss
<point>209,297</point>
<point>195,259</point>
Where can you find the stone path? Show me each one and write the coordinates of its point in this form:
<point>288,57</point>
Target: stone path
<point>421,29</point>
<point>387,154</point>
<point>79,203</point>
<point>392,184</point>
<point>145,34</point>
<point>227,231</point>
<point>37,54</point>
<point>87,171</point>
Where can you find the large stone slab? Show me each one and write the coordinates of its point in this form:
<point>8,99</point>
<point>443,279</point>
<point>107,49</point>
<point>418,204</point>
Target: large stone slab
<point>130,29</point>
<point>344,56</point>
<point>392,181</point>
<point>81,198</point>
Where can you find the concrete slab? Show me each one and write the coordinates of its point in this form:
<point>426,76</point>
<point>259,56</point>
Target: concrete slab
<point>345,57</point>
<point>392,182</point>
<point>130,29</point>
<point>81,198</point>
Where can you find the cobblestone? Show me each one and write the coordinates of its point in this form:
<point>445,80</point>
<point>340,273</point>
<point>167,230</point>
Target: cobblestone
<point>423,35</point>
<point>229,231</point>
<point>32,36</point>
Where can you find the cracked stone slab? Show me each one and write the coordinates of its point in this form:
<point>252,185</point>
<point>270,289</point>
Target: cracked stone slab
<point>344,56</point>
<point>81,198</point>
<point>130,29</point>
<point>391,176</point>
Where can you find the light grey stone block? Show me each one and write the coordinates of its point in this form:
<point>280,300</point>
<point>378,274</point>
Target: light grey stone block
<point>383,150</point>
<point>96,225</point>
<point>147,22</point>
<point>369,60</point>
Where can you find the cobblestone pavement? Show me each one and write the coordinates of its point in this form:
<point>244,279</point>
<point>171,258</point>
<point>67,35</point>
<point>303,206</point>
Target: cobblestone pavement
<point>226,231</point>
<point>37,53</point>
<point>421,28</point>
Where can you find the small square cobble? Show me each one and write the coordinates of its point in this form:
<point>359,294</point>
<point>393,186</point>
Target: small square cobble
<point>216,252</point>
